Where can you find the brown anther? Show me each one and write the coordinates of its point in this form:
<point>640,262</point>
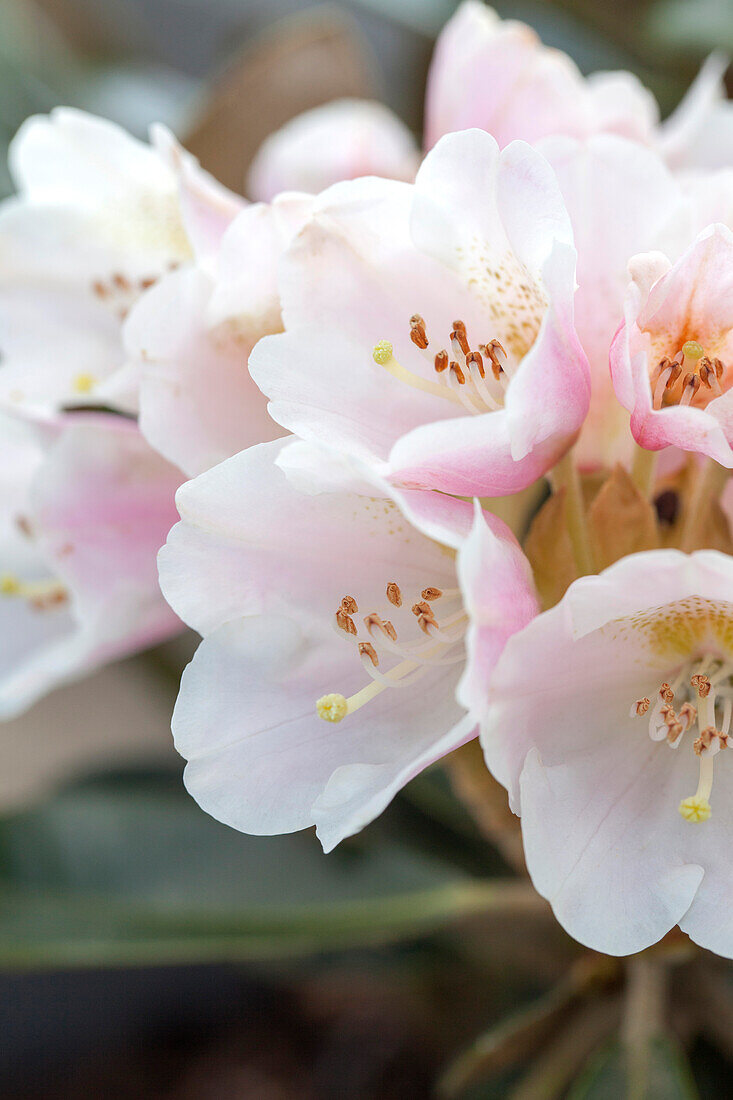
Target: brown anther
<point>693,381</point>
<point>702,683</point>
<point>459,325</point>
<point>475,357</point>
<point>394,594</point>
<point>493,347</point>
<point>496,369</point>
<point>371,620</point>
<point>417,319</point>
<point>674,731</point>
<point>349,605</point>
<point>458,373</point>
<point>425,622</point>
<point>145,284</point>
<point>666,693</point>
<point>366,649</point>
<point>459,335</point>
<point>389,629</point>
<point>674,373</point>
<point>345,622</point>
<point>705,740</point>
<point>121,281</point>
<point>669,716</point>
<point>422,608</point>
<point>718,367</point>
<point>642,706</point>
<point>431,593</point>
<point>50,599</point>
<point>441,361</point>
<point>99,288</point>
<point>705,371</point>
<point>418,337</point>
<point>24,526</point>
<point>688,714</point>
<point>722,738</point>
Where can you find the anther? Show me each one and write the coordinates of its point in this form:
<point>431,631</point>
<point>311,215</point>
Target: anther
<point>394,595</point>
<point>666,693</point>
<point>349,605</point>
<point>458,373</point>
<point>441,361</point>
<point>675,370</point>
<point>475,357</point>
<point>459,335</point>
<point>422,608</point>
<point>687,714</point>
<point>431,593</point>
<point>418,336</point>
<point>641,706</point>
<point>345,622</point>
<point>366,649</point>
<point>702,684</point>
<point>705,740</point>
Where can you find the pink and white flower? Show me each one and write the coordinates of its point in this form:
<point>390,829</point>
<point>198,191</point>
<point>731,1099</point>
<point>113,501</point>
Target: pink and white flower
<point>338,141</point>
<point>188,340</point>
<point>97,220</point>
<point>429,327</point>
<point>497,75</point>
<point>607,717</point>
<point>84,505</point>
<point>328,609</point>
<point>672,357</point>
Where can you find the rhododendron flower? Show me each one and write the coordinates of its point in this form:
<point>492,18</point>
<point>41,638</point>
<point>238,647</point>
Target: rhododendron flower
<point>496,74</point>
<point>622,200</point>
<point>189,338</point>
<point>672,358</point>
<point>84,505</point>
<point>98,218</point>
<point>607,717</point>
<point>429,327</point>
<point>338,141</point>
<point>334,641</point>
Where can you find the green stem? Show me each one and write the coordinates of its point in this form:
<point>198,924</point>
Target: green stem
<point>643,469</point>
<point>565,476</point>
<point>707,485</point>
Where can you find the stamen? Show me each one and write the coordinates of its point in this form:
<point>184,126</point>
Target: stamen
<point>366,649</point>
<point>640,707</point>
<point>690,386</point>
<point>702,684</point>
<point>431,593</point>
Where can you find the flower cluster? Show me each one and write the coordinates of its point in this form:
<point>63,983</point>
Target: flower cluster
<point>457,430</point>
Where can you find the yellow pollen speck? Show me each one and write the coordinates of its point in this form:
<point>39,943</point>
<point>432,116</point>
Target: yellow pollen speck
<point>332,708</point>
<point>84,383</point>
<point>9,585</point>
<point>382,352</point>
<point>693,350</point>
<point>695,809</point>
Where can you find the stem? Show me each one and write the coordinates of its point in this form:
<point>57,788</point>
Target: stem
<point>643,469</point>
<point>643,1019</point>
<point>708,483</point>
<point>565,475</point>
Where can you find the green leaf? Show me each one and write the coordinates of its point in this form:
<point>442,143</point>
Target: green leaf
<point>113,875</point>
<point>668,1075</point>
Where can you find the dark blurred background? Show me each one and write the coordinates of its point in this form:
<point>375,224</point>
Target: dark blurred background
<point>145,950</point>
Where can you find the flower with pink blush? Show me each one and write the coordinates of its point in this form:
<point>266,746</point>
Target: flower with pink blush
<point>622,200</point>
<point>672,357</point>
<point>334,641</point>
<point>97,219</point>
<point>338,141</point>
<point>84,505</point>
<point>188,340</point>
<point>606,720</point>
<point>429,326</point>
<point>496,74</point>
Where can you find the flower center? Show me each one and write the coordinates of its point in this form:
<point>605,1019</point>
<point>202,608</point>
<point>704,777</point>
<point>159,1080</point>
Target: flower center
<point>378,642</point>
<point>476,379</point>
<point>691,378</point>
<point>41,595</point>
<point>701,699</point>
